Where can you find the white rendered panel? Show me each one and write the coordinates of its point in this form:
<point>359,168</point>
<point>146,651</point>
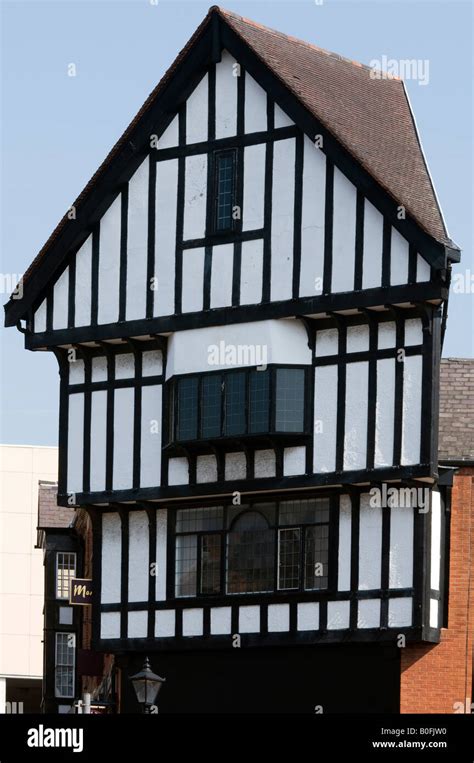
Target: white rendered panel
<point>345,529</point>
<point>152,363</point>
<point>338,615</point>
<point>111,578</point>
<point>283,202</point>
<point>387,335</point>
<point>355,432</point>
<point>398,259</point>
<point>99,369</point>
<point>110,625</point>
<point>150,452</point>
<point>226,96</point>
<point>423,270</point>
<point>138,557</point>
<point>161,554</point>
<point>221,275</point>
<point>400,612</point>
<point>165,236</point>
<point>278,618</point>
<point>192,622</point>
<point>312,220</point>
<point>76,371</point>
<point>254,187</point>
<point>255,106</point>
<point>411,422</point>
<point>326,342</point>
<point>193,280</point>
<point>401,547</point>
<point>235,466</point>
<point>98,439</point>
<point>170,137</point>
<point>165,623</point>
<point>308,616</point>
<point>109,263</point>
<point>343,235</point>
<point>368,613</point>
<point>206,469</point>
<point>249,619</point>
<point>40,318</point>
<point>435,540</point>
<point>61,301</point>
<point>178,471</point>
<point>434,613</point>
<point>413,331</point>
<point>385,412</point>
<point>281,118</point>
<point>357,338</point>
<point>83,293</point>
<point>123,438</point>
<point>197,113</point>
<point>370,545</point>
<point>294,461</point>
<point>137,624</point>
<point>373,243</point>
<point>221,618</point>
<point>137,243</point>
<point>75,443</point>
<point>124,366</point>
<point>325,418</point>
<point>251,279</point>
<point>195,186</point>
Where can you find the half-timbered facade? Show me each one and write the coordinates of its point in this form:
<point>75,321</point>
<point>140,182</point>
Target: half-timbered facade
<point>247,305</point>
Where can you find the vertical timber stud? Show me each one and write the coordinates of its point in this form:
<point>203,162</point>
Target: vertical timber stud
<point>61,357</point>
<point>151,275</point>
<point>267,207</point>
<point>96,522</point>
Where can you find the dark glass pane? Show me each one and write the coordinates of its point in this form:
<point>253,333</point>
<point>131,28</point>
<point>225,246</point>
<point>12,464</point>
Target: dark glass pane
<point>307,511</point>
<point>289,400</point>
<point>250,555</point>
<point>289,558</point>
<point>187,409</point>
<point>259,400</point>
<point>225,189</point>
<point>211,406</point>
<point>210,563</point>
<point>316,557</point>
<point>186,565</point>
<point>196,520</point>
<point>235,403</point>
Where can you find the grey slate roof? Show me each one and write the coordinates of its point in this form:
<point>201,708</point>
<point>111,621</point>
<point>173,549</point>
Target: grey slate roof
<point>456,410</point>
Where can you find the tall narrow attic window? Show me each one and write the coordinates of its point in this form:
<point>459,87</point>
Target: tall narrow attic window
<point>225,162</point>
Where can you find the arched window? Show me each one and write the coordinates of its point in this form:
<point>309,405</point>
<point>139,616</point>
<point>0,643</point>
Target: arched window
<point>250,554</point>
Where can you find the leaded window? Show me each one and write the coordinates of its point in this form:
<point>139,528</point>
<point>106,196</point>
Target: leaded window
<point>65,572</point>
<point>65,651</point>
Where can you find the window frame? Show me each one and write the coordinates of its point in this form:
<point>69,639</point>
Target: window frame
<point>216,156</point>
<point>65,665</point>
<point>56,574</point>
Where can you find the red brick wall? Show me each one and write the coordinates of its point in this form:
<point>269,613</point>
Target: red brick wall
<point>437,678</point>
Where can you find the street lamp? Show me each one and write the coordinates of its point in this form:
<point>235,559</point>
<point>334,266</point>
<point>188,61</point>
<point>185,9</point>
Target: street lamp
<point>147,685</point>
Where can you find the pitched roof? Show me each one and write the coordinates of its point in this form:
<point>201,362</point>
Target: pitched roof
<point>456,410</point>
<point>371,118</point>
<point>50,515</point>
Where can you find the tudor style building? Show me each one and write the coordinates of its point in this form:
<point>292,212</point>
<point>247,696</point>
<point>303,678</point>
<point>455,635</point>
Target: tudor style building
<point>247,307</point>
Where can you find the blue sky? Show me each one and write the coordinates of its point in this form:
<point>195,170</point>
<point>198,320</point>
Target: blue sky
<point>57,129</point>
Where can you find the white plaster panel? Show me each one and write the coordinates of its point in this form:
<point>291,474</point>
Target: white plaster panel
<point>99,369</point>
<point>82,308</point>
<point>76,371</point>
<point>423,270</point>
<point>150,461</point>
<point>254,187</point>
<point>325,418</point>
<point>193,280</point>
<point>138,557</point>
<point>137,243</point>
<point>283,202</point>
<point>370,545</point>
<point>326,342</point>
<point>312,220</point>
<point>294,461</point>
<point>206,469</point>
<point>40,318</point>
<point>226,96</point>
<point>355,434</point>
<point>434,613</point>
<point>413,331</point>
<point>281,118</point>
<point>75,443</point>
<point>373,243</point>
<point>401,547</point>
<point>385,412</point>
<point>98,440</point>
<point>165,623</point>
<point>195,185</point>
<point>221,275</point>
<point>192,622</point>
<point>152,363</point>
<point>111,558</point>
<point>400,612</point>
<point>411,422</point>
<point>110,625</point>
<point>178,471</point>
<point>137,624</point>
<point>109,263</point>
<point>221,621</point>
<point>265,463</point>
<point>435,540</point>
<point>165,236</point>
<point>197,112</point>
<point>124,366</point>
<point>345,529</point>
<point>308,616</point>
<point>61,301</point>
<point>161,554</point>
<point>251,278</point>
<point>235,466</point>
<point>357,338</point>
<point>387,335</point>
<point>343,237</point>
<point>398,259</point>
<point>278,618</point>
<point>249,619</point>
<point>255,106</point>
<point>124,408</point>
<point>338,615</point>
<point>368,613</point>
<point>170,136</point>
